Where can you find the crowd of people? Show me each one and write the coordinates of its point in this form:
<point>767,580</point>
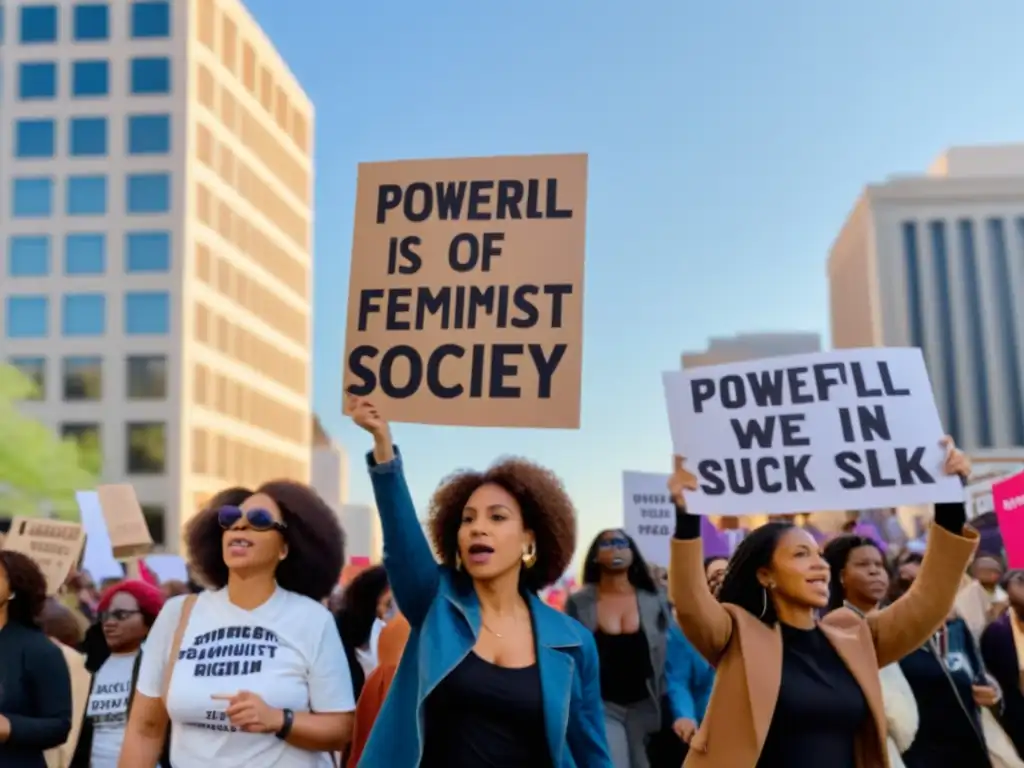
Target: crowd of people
<point>791,652</point>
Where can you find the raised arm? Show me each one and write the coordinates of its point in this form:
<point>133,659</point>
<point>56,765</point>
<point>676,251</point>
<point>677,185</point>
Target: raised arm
<point>908,623</point>
<point>413,573</point>
<point>702,618</point>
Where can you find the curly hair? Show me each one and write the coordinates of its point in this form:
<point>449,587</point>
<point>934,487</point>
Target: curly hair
<point>27,587</point>
<point>316,542</point>
<point>359,605</point>
<point>546,508</point>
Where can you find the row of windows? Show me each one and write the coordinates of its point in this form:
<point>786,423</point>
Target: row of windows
<point>238,56</point>
<point>85,253</point>
<point>145,194</point>
<point>239,462</point>
<point>36,138</point>
<point>220,274</point>
<point>240,402</point>
<point>146,443</point>
<point>146,313</point>
<point>81,377</point>
<point>237,342</point>
<point>147,76</point>
<point>90,22</point>
<point>953,249</point>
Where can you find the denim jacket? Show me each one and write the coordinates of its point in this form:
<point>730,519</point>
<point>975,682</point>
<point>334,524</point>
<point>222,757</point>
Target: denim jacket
<point>445,619</point>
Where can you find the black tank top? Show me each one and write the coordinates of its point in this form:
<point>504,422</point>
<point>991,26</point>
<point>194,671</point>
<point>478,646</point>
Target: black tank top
<point>625,666</point>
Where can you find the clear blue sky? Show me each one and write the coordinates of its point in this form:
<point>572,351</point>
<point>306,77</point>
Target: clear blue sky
<point>727,141</point>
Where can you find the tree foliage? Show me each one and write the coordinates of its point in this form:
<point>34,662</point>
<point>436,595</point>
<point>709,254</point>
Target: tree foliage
<point>39,472</point>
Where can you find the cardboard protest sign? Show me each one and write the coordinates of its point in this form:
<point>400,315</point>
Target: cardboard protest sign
<point>466,290</point>
<point>1008,499</point>
<point>847,429</point>
<point>55,545</point>
<point>649,517</point>
<point>129,534</point>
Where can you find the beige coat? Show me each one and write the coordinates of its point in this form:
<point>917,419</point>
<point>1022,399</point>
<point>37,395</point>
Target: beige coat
<point>748,654</point>
<point>60,757</point>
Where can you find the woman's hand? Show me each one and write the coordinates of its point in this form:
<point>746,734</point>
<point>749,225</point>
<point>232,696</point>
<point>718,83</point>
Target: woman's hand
<point>681,480</point>
<point>685,729</point>
<point>957,462</point>
<point>250,713</point>
<point>985,695</point>
<point>365,414</point>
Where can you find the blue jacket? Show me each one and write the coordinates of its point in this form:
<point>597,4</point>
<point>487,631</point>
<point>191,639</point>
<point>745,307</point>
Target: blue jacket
<point>444,617</point>
<point>688,677</point>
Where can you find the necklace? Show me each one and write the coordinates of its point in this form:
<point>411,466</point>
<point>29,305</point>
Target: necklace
<point>497,635</point>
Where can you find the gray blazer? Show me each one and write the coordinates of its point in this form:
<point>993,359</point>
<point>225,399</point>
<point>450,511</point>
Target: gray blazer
<point>655,620</point>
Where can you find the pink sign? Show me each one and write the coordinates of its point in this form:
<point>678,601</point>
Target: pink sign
<point>1008,500</point>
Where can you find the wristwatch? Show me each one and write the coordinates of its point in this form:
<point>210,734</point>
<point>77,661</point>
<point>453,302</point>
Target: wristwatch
<point>286,725</point>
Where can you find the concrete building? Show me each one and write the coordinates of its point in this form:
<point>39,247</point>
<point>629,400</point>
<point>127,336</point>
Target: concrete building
<point>936,261</point>
<point>329,468</point>
<point>752,346</point>
<point>156,220</point>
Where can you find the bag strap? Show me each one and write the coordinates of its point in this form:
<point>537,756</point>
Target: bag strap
<point>179,635</point>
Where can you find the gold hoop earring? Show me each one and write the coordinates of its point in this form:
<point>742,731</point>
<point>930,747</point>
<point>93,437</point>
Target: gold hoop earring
<point>458,562</point>
<point>529,555</point>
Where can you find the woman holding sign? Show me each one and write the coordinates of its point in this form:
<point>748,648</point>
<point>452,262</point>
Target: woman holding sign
<point>491,676</point>
<point>791,690</point>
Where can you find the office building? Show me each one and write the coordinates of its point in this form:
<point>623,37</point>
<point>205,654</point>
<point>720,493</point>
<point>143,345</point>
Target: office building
<point>936,261</point>
<point>156,223</point>
<point>752,346</point>
<point>329,468</point>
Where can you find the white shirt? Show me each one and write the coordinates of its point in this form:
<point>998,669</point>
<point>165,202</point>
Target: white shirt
<point>107,709</point>
<point>368,657</point>
<point>287,651</point>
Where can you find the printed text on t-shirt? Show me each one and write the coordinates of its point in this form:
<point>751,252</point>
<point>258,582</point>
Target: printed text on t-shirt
<point>231,651</point>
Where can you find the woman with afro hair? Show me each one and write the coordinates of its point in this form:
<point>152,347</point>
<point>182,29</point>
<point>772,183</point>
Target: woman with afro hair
<point>35,686</point>
<point>251,671</point>
<point>490,676</point>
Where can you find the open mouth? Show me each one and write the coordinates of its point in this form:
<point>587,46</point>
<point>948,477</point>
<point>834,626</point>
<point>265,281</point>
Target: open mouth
<point>480,553</point>
<point>819,582</point>
<point>238,545</point>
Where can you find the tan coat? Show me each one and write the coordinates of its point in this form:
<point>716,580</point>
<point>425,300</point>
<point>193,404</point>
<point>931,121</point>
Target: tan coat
<point>748,654</point>
<point>60,757</point>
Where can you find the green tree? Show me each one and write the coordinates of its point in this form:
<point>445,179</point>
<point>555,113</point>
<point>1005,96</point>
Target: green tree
<point>39,473</point>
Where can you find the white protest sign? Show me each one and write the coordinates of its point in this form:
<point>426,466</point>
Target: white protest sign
<point>648,514</point>
<point>99,553</point>
<point>846,429</point>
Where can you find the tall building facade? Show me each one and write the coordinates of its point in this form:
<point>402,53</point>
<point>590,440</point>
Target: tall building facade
<point>752,346</point>
<point>937,261</point>
<point>155,242</point>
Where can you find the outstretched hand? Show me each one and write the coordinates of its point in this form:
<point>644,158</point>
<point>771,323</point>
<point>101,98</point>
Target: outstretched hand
<point>681,480</point>
<point>365,414</point>
<point>957,462</point>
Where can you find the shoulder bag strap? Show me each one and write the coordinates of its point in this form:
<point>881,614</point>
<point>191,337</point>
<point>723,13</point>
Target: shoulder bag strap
<point>179,634</point>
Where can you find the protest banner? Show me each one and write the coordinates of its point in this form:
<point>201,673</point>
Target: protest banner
<point>847,429</point>
<point>129,534</point>
<point>649,517</point>
<point>55,545</point>
<point>1008,499</point>
<point>465,298</point>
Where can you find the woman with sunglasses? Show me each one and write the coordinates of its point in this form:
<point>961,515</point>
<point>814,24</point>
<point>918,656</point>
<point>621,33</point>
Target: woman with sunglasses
<point>126,612</point>
<point>259,678</point>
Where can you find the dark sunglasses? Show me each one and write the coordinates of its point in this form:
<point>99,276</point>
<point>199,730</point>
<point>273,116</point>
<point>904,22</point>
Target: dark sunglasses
<point>258,519</point>
<point>118,615</point>
<point>616,543</point>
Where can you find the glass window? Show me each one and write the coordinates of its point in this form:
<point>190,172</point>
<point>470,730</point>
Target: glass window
<point>34,138</point>
<point>38,23</point>
<point>32,198</point>
<point>151,75</point>
<point>90,78</point>
<point>147,313</point>
<point>151,19</point>
<point>147,377</point>
<point>28,317</point>
<point>33,369</point>
<point>147,447</point>
<point>148,193</point>
<point>88,137</point>
<point>85,253</point>
<point>28,256</point>
<point>86,437</point>
<point>37,80</point>
<point>92,22</point>
<point>84,314</point>
<point>87,195</point>
<point>83,378</point>
<point>149,134</point>
<point>148,251</point>
<point>155,515</point>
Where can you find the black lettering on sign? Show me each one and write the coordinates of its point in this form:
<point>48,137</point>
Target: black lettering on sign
<point>232,651</point>
<point>653,513</point>
<point>863,469</point>
<point>645,529</point>
<point>767,474</point>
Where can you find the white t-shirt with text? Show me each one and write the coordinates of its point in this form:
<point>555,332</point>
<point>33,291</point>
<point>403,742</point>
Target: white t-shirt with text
<point>107,709</point>
<point>287,651</point>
